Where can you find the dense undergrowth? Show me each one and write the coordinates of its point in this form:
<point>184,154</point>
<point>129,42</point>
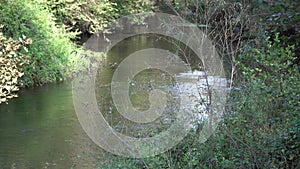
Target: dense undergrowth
<point>261,125</point>
<point>50,52</point>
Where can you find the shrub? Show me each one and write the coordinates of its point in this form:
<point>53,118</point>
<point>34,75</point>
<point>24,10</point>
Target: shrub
<point>50,52</point>
<point>87,17</point>
<point>281,16</point>
<point>83,16</point>
<point>261,127</point>
<point>12,61</point>
<point>264,131</point>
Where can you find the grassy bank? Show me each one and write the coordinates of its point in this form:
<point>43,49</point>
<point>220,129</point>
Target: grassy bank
<point>55,28</point>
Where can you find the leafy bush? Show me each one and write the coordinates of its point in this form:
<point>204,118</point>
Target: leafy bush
<point>50,52</point>
<point>83,16</point>
<point>86,17</point>
<point>12,62</point>
<point>261,127</point>
<point>281,16</point>
<point>126,7</point>
<point>264,130</point>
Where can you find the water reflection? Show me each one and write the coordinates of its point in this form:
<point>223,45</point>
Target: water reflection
<point>190,90</point>
<point>40,130</point>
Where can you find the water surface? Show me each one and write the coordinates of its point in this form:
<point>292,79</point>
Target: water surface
<point>40,128</point>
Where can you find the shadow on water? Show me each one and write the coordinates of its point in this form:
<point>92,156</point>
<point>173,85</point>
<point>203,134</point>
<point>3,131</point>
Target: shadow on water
<point>40,130</point>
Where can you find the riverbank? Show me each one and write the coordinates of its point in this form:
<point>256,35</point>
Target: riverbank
<point>260,125</point>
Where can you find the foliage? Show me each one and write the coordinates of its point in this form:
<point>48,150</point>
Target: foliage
<point>11,66</point>
<point>227,24</point>
<point>88,17</point>
<point>51,48</point>
<point>265,127</point>
<point>52,25</point>
<point>132,6</point>
<point>261,124</point>
<point>280,16</point>
<point>261,127</point>
<point>83,15</point>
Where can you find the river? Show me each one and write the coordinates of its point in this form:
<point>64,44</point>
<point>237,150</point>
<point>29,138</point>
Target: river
<point>40,129</point>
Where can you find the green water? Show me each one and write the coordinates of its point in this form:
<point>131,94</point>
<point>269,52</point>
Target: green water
<point>40,129</point>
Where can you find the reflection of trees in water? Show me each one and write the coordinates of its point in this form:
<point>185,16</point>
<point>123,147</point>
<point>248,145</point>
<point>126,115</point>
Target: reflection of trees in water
<point>146,81</point>
<point>40,130</point>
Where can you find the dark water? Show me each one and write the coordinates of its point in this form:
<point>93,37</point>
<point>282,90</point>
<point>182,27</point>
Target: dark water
<point>40,129</point>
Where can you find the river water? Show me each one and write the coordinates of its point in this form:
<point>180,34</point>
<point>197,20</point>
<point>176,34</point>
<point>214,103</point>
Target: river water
<point>40,129</point>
